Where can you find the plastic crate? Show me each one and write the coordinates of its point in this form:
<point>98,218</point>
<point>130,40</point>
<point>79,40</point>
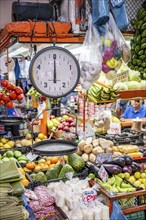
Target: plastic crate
<point>136,216</point>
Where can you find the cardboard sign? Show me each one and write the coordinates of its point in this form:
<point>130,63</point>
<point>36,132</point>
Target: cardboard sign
<point>103,174</point>
<point>31,156</point>
<point>115,128</point>
<point>101,158</point>
<point>121,77</point>
<point>88,196</point>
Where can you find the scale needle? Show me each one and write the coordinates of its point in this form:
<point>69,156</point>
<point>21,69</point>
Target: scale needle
<point>54,57</point>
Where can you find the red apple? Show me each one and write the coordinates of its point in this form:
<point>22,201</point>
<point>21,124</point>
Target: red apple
<point>62,120</point>
<point>73,124</point>
<point>60,126</point>
<point>70,120</point>
<point>66,128</point>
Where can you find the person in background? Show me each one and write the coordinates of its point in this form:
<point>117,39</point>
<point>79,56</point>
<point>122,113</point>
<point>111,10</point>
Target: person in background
<point>17,109</point>
<point>136,110</point>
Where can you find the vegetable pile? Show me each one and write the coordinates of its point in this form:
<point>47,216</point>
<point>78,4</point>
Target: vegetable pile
<point>9,93</point>
<point>138,43</point>
<point>89,148</point>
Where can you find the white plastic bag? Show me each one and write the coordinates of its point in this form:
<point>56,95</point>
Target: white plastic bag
<point>90,57</point>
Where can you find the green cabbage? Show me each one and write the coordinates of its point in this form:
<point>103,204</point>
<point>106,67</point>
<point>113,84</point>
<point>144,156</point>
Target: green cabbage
<point>120,86</point>
<point>134,76</point>
<point>143,84</point>
<point>132,85</point>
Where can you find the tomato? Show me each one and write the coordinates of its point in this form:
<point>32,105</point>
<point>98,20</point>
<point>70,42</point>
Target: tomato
<point>10,86</point>
<point>9,104</point>
<point>18,90</point>
<point>1,95</point>
<point>5,98</point>
<point>2,102</point>
<point>13,95</point>
<point>20,97</point>
<point>4,82</point>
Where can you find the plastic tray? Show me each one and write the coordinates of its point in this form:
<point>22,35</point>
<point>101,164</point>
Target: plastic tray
<point>136,216</point>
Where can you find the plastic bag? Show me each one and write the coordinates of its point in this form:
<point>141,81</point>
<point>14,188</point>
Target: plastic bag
<point>114,48</point>
<point>117,213</point>
<point>91,57</point>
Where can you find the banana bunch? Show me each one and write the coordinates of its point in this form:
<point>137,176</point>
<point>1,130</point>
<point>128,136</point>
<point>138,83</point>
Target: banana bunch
<point>33,93</point>
<point>98,93</point>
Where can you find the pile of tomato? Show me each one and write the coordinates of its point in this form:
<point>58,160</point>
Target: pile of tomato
<point>9,93</point>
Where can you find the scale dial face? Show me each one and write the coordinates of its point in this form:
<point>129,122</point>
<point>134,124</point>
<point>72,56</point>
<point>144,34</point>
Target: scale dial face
<point>54,72</point>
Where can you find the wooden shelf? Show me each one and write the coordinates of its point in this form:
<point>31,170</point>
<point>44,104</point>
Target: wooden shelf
<point>129,94</point>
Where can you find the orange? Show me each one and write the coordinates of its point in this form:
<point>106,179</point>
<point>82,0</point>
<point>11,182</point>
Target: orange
<point>26,169</point>
<point>51,165</point>
<point>48,162</point>
<point>54,160</point>
<point>25,182</point>
<point>30,165</point>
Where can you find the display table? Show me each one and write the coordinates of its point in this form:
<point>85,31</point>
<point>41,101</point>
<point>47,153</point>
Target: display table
<point>128,122</point>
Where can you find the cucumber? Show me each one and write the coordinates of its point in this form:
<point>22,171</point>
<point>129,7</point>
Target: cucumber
<point>139,13</point>
<point>138,39</point>
<point>143,34</point>
<point>143,27</point>
<point>142,57</point>
<point>143,46</point>
<point>141,52</point>
<point>134,62</point>
<point>140,24</point>
<point>133,22</point>
<point>139,62</point>
<point>143,40</point>
<point>143,14</point>
<point>143,64</point>
<point>137,49</point>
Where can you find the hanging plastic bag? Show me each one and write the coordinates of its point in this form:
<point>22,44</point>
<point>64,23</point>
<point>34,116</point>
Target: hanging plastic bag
<point>90,57</point>
<point>114,48</point>
<point>117,213</point>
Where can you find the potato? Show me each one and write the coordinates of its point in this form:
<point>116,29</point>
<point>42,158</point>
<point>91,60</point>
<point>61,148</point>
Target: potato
<point>79,152</point>
<point>97,150</point>
<point>109,150</point>
<point>95,142</point>
<point>85,157</point>
<point>81,145</point>
<point>88,148</point>
<point>92,158</point>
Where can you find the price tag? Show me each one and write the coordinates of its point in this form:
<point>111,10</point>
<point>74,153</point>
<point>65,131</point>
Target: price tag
<point>101,158</point>
<point>121,77</point>
<point>115,128</point>
<point>31,156</point>
<point>88,196</point>
<point>103,174</point>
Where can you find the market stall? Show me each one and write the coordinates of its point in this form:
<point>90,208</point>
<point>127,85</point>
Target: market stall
<point>68,150</point>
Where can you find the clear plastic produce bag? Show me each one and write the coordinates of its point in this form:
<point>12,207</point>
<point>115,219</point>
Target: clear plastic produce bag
<point>114,48</point>
<point>90,57</point>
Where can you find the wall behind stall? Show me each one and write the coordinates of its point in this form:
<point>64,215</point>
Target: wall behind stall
<point>5,10</point>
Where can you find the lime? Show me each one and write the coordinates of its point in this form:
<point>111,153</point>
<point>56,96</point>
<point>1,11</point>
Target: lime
<point>91,176</point>
<point>9,153</point>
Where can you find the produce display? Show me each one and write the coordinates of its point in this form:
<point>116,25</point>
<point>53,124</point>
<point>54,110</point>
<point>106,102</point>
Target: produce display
<point>15,156</point>
<point>89,148</point>
<point>97,93</point>
<point>64,123</point>
<point>41,164</point>
<point>73,203</point>
<point>9,93</point>
<point>6,143</point>
<point>138,43</point>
